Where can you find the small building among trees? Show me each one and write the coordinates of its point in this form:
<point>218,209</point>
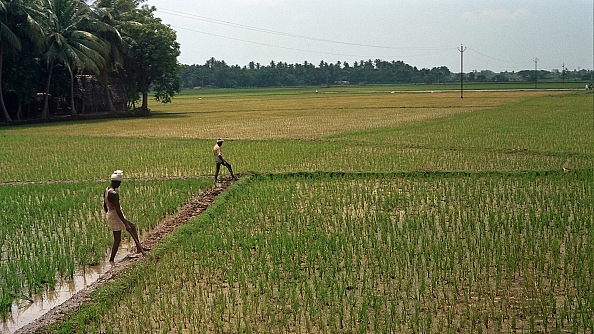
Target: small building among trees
<point>92,95</point>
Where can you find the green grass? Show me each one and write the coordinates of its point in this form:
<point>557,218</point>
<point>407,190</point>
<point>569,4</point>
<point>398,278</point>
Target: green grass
<point>50,230</point>
<point>404,252</point>
<point>484,131</point>
<point>368,211</point>
<point>354,89</point>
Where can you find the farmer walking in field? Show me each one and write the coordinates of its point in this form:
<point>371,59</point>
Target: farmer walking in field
<point>219,160</point>
<point>116,219</point>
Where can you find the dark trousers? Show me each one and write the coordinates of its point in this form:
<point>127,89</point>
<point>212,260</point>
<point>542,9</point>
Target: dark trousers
<point>218,168</point>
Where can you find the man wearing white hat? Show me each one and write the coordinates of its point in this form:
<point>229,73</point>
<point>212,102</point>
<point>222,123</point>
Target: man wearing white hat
<point>116,219</point>
<point>219,160</point>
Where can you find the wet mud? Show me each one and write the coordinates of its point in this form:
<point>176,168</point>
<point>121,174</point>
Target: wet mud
<point>33,316</point>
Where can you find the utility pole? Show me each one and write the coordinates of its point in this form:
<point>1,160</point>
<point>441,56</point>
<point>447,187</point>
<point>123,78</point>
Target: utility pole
<point>461,49</point>
<point>535,72</point>
<point>563,73</point>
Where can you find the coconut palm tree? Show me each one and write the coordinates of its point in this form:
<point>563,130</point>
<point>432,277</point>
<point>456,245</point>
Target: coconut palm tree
<point>71,41</point>
<point>16,19</point>
<point>8,42</point>
<point>112,13</point>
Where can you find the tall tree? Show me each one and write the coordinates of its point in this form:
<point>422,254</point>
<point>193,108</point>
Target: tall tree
<point>8,39</point>
<point>116,13</point>
<point>71,41</point>
<point>151,58</point>
<point>21,76</point>
<point>14,14</point>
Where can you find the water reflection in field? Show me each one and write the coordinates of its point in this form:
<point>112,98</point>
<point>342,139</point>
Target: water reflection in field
<point>24,312</point>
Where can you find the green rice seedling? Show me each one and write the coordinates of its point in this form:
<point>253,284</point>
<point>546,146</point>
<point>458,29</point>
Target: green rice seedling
<point>359,133</point>
<point>324,295</point>
<point>437,229</point>
<point>53,229</point>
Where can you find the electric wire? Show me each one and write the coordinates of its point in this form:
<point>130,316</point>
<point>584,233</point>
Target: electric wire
<point>280,33</point>
<point>416,51</point>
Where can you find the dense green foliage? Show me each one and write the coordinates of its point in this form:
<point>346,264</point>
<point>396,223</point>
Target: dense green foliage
<point>50,49</point>
<point>217,73</point>
<point>58,40</point>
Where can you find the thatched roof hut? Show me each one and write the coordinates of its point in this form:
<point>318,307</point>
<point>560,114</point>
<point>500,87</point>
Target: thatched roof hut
<point>91,93</point>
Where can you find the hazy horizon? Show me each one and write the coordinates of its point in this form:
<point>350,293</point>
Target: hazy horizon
<point>495,35</point>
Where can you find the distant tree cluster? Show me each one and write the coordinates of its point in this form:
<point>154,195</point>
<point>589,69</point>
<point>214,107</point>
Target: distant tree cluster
<point>51,51</point>
<point>217,73</point>
<point>72,56</point>
<point>527,76</point>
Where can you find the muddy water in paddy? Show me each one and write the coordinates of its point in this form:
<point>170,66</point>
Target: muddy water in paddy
<point>23,312</point>
<point>49,307</point>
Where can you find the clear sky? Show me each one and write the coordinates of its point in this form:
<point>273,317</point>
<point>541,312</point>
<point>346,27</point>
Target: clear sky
<point>497,35</point>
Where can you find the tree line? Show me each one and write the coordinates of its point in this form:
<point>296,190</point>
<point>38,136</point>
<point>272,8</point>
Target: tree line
<point>217,73</point>
<point>60,56</point>
<point>47,45</point>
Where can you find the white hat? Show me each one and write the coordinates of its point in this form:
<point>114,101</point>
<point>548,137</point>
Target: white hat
<point>117,175</point>
<point>220,140</point>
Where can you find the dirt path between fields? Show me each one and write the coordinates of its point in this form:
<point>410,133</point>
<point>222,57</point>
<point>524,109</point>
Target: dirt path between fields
<point>194,207</point>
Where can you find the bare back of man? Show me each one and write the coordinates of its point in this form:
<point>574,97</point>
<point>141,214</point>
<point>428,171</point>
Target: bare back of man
<point>116,219</point>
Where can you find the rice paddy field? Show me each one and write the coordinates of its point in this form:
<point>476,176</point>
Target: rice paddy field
<point>359,210</point>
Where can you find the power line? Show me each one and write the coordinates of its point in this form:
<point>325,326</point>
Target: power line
<point>495,59</point>
<point>280,33</point>
<point>418,51</point>
<point>266,44</point>
<point>290,48</point>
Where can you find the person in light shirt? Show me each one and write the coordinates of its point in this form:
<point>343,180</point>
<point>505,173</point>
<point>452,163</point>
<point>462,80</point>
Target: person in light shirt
<point>219,160</point>
<point>116,219</point>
